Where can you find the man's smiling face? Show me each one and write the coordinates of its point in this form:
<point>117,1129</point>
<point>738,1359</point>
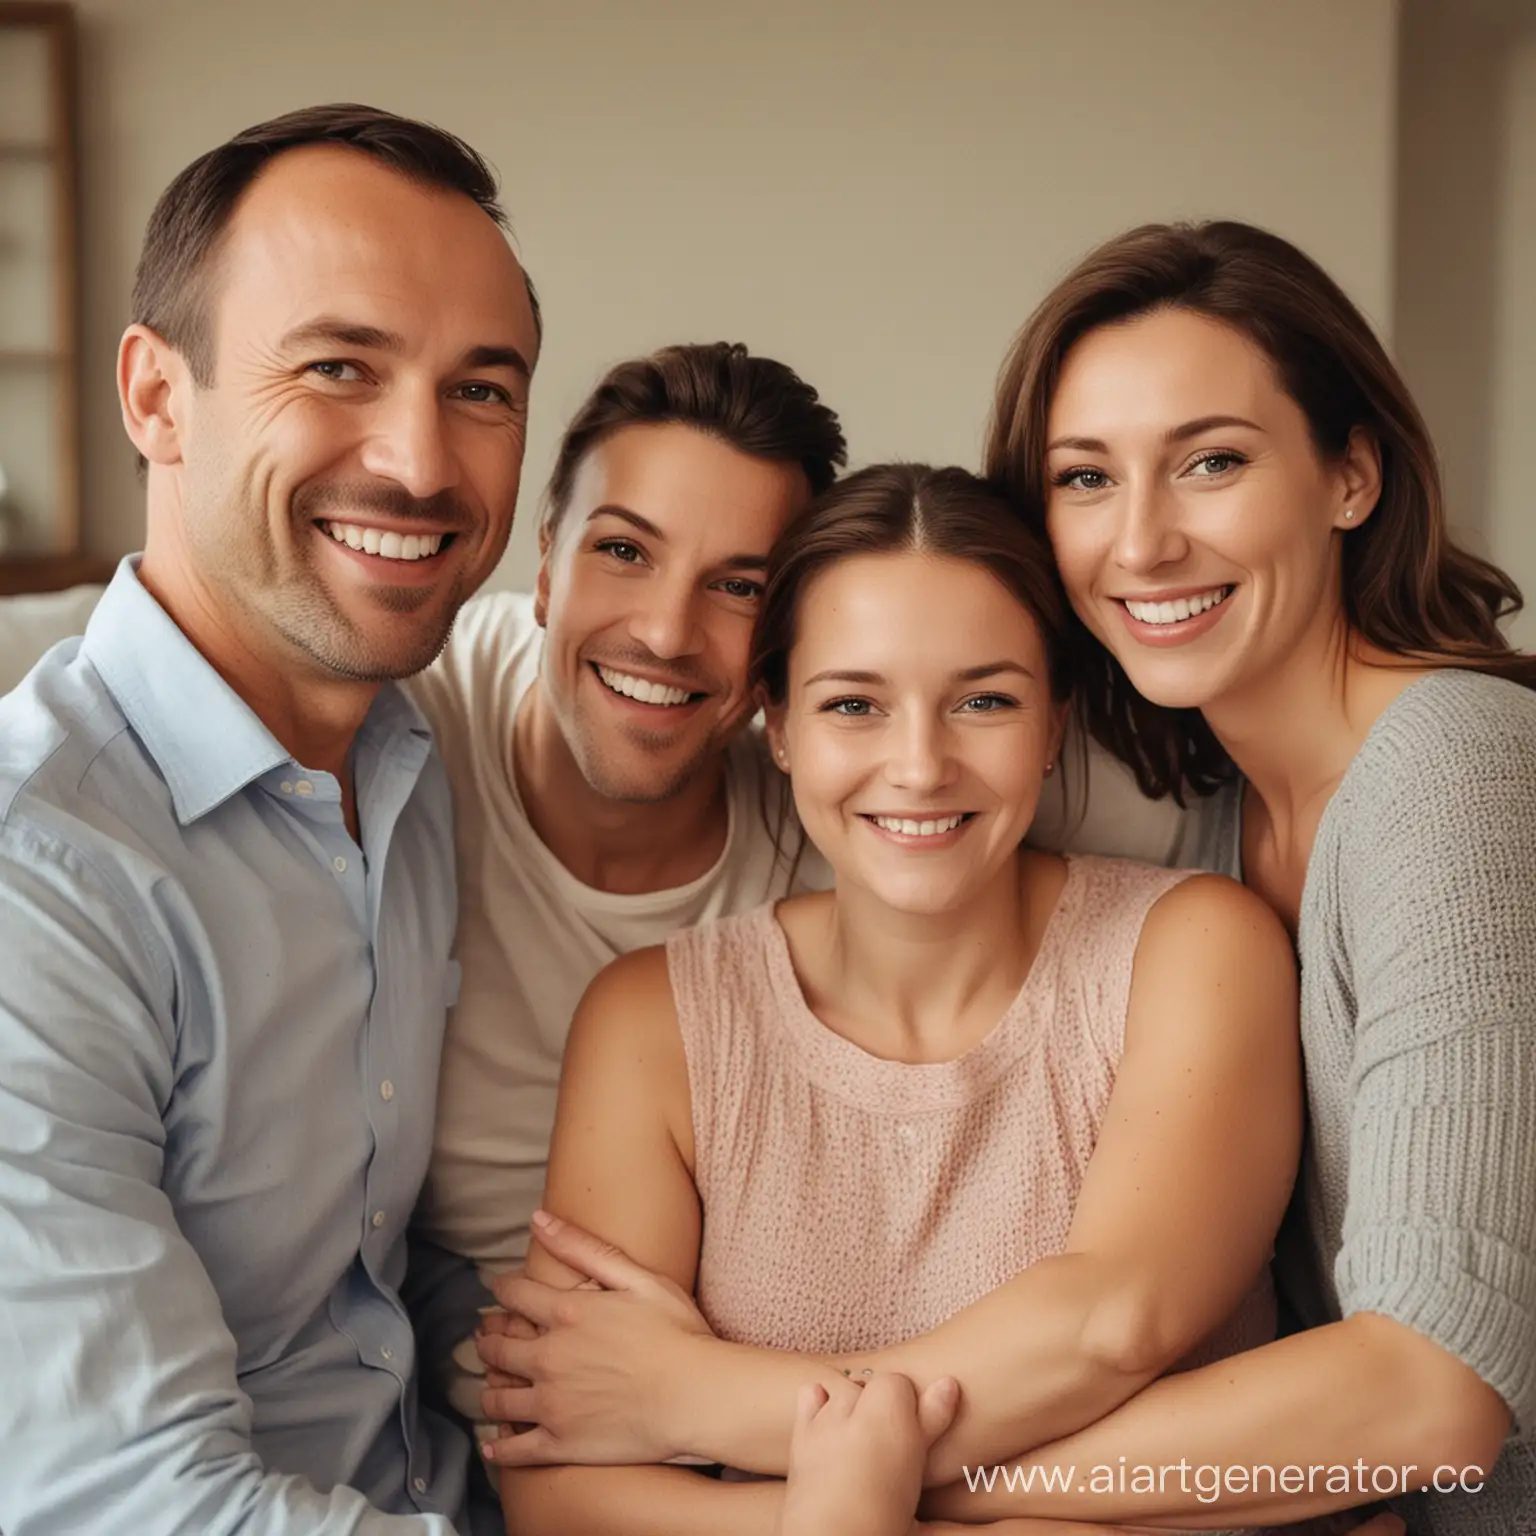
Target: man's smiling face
<point>348,476</point>
<point>648,591</point>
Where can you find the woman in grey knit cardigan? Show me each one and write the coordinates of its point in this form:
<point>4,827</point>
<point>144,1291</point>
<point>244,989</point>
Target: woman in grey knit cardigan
<point>1246,511</point>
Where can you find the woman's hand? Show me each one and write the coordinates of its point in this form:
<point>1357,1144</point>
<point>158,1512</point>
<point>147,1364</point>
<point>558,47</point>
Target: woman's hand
<point>856,1462</point>
<point>598,1361</point>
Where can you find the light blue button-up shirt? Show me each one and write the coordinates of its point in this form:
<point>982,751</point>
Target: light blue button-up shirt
<point>220,1020</point>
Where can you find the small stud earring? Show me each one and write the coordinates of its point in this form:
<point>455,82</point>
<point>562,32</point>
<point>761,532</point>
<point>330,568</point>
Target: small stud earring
<point>1349,514</point>
<point>1050,768</point>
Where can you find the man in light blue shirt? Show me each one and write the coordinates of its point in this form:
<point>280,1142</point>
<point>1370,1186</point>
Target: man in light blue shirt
<point>226,871</point>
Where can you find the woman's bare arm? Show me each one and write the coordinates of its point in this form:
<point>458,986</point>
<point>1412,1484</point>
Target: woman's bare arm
<point>620,1164</point>
<point>1173,1225</point>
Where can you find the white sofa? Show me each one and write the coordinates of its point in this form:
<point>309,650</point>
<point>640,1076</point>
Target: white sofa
<point>32,624</point>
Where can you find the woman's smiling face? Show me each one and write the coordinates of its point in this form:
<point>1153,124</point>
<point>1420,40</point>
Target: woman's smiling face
<point>917,725</point>
<point>1194,519</point>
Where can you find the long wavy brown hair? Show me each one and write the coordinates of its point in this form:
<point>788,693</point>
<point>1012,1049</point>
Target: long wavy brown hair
<point>1408,589</point>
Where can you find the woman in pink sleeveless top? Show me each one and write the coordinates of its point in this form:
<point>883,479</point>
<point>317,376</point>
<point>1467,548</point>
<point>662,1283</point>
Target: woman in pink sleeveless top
<point>973,1092</point>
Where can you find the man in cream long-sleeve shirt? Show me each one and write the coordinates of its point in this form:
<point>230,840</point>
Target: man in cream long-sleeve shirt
<point>607,787</point>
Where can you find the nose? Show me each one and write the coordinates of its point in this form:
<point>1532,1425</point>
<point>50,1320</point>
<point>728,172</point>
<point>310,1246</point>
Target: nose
<point>921,759</point>
<point>409,443</point>
<point>665,619</point>
<point>1147,533</point>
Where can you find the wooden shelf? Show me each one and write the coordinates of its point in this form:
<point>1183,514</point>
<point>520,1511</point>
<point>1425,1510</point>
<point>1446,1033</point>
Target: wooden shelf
<point>51,573</point>
<point>46,461</point>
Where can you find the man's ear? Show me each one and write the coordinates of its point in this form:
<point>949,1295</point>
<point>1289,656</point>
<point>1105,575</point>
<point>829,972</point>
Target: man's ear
<point>152,383</point>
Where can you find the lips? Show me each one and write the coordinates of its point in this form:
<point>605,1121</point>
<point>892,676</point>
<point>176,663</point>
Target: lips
<point>1176,610</point>
<point>386,543</point>
<point>651,692</point>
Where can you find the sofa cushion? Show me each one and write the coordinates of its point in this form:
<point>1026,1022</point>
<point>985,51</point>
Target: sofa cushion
<point>34,623</point>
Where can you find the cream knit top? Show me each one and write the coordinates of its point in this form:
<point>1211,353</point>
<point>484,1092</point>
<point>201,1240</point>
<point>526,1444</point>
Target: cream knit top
<point>851,1202</point>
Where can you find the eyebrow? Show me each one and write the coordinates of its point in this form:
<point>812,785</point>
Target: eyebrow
<point>743,562</point>
<point>1177,434</point>
<point>345,333</point>
<point>968,675</point>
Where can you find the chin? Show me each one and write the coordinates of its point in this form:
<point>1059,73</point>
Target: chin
<point>632,778</point>
<point>361,656</point>
<point>917,897</point>
<point>1178,685</point>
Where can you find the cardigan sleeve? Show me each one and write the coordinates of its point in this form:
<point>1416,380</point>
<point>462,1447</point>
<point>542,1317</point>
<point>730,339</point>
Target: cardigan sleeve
<point>1437,880</point>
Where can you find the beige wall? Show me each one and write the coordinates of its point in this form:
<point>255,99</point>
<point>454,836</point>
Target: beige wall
<point>875,193</point>
<point>1511,502</point>
<point>1465,318</point>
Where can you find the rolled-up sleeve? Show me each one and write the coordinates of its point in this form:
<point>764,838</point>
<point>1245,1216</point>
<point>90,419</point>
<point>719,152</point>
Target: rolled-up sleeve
<point>120,1408</point>
<point>1440,1220</point>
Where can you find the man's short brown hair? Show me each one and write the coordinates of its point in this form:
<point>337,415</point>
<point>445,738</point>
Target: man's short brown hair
<point>758,406</point>
<point>172,287</point>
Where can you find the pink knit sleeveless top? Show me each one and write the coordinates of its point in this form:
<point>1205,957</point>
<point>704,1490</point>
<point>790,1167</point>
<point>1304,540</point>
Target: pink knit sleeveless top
<point>851,1202</point>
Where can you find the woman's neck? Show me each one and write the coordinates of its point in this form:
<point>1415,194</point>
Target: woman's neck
<point>927,986</point>
<point>1294,732</point>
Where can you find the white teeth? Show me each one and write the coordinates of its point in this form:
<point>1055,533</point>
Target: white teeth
<point>908,827</point>
<point>642,689</point>
<point>1179,609</point>
<point>388,546</point>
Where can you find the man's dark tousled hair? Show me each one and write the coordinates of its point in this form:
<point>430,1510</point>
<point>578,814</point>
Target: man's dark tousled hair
<point>172,287</point>
<point>758,406</point>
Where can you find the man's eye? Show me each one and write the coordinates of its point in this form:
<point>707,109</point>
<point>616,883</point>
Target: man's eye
<point>340,373</point>
<point>484,394</point>
<point>739,586</point>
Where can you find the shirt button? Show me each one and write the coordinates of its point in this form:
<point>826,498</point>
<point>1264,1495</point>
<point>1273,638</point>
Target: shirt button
<point>339,864</point>
<point>419,1484</point>
<point>287,786</point>
<point>303,787</point>
<point>386,1090</point>
<point>907,1132</point>
<point>378,1219</point>
<point>387,1353</point>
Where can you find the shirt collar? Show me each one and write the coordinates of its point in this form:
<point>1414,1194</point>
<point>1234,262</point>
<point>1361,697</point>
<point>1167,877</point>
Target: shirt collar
<point>207,742</point>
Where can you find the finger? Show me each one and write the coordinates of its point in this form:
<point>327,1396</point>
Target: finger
<point>513,1324</point>
<point>890,1391</point>
<point>529,1299</point>
<point>937,1405</point>
<point>494,1320</point>
<point>809,1402</point>
<point>531,1448</point>
<point>509,1405</point>
<point>514,1357</point>
<point>505,1379</point>
<point>613,1269</point>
